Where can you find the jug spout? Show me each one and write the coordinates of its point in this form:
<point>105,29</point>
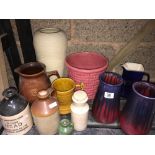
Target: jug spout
<point>17,70</point>
<point>123,66</point>
<point>130,66</point>
<point>30,69</point>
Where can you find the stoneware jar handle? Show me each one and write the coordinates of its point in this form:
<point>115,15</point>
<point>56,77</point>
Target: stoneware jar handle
<point>51,73</point>
<point>81,86</point>
<point>148,76</point>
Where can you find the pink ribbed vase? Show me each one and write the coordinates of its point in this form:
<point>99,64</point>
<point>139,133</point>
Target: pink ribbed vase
<point>86,67</point>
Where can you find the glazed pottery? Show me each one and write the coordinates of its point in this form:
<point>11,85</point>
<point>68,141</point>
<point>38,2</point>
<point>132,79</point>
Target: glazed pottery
<point>15,113</point>
<point>50,47</point>
<point>132,72</point>
<point>45,113</point>
<point>79,110</point>
<point>33,78</point>
<point>138,113</point>
<point>65,127</point>
<point>107,100</point>
<point>86,67</point>
<point>64,89</point>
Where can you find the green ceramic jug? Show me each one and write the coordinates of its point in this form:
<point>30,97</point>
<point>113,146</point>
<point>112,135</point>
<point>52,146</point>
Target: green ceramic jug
<point>65,127</point>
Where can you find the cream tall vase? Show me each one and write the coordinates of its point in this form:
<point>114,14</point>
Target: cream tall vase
<point>50,46</point>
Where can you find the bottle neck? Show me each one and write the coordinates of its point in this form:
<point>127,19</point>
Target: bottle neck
<point>43,98</point>
<point>79,104</point>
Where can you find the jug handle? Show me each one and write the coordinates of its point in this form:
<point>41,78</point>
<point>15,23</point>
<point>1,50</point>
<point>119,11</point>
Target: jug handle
<point>51,73</point>
<point>81,86</point>
<point>148,76</point>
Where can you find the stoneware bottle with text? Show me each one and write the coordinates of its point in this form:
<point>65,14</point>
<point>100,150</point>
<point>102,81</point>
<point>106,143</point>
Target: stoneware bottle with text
<point>15,113</point>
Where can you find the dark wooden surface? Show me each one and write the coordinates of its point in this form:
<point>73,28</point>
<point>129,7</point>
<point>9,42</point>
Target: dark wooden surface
<point>26,39</point>
<point>10,47</point>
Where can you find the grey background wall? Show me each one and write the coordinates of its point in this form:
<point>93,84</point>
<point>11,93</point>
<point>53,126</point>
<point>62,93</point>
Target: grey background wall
<point>104,36</point>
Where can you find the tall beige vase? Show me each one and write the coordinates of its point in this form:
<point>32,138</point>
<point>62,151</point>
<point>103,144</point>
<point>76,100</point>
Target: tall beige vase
<point>50,46</point>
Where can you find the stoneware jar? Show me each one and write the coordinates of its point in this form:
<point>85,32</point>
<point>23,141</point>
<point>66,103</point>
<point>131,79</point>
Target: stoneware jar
<point>33,78</point>
<point>45,113</point>
<point>79,110</point>
<point>15,113</point>
<point>50,47</point>
<point>107,100</point>
<point>65,127</point>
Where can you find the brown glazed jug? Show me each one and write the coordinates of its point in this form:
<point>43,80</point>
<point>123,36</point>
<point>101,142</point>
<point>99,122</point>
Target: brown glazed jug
<point>33,78</point>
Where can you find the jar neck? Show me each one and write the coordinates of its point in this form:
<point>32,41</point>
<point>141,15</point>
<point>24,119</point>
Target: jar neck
<point>79,104</point>
<point>44,98</point>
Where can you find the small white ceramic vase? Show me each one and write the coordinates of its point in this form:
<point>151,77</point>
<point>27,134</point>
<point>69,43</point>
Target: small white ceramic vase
<point>50,46</point>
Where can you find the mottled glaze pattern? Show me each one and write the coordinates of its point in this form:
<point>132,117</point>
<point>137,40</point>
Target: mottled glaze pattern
<point>107,100</point>
<point>138,113</point>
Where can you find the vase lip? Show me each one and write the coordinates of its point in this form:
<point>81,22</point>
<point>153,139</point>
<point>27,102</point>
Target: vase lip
<point>64,78</point>
<point>115,74</point>
<point>85,54</point>
<point>145,84</point>
<point>48,30</point>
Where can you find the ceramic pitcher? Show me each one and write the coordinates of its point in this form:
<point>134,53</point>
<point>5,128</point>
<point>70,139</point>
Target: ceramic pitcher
<point>132,72</point>
<point>33,78</point>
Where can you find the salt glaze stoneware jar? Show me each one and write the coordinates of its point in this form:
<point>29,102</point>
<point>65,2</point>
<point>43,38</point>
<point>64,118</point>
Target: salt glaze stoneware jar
<point>45,113</point>
<point>138,113</point>
<point>50,47</point>
<point>86,67</point>
<point>15,113</point>
<point>33,78</point>
<point>107,100</point>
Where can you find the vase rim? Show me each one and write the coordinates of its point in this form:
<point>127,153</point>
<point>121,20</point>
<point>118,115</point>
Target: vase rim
<point>115,74</point>
<point>145,84</point>
<point>64,78</point>
<point>49,30</point>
